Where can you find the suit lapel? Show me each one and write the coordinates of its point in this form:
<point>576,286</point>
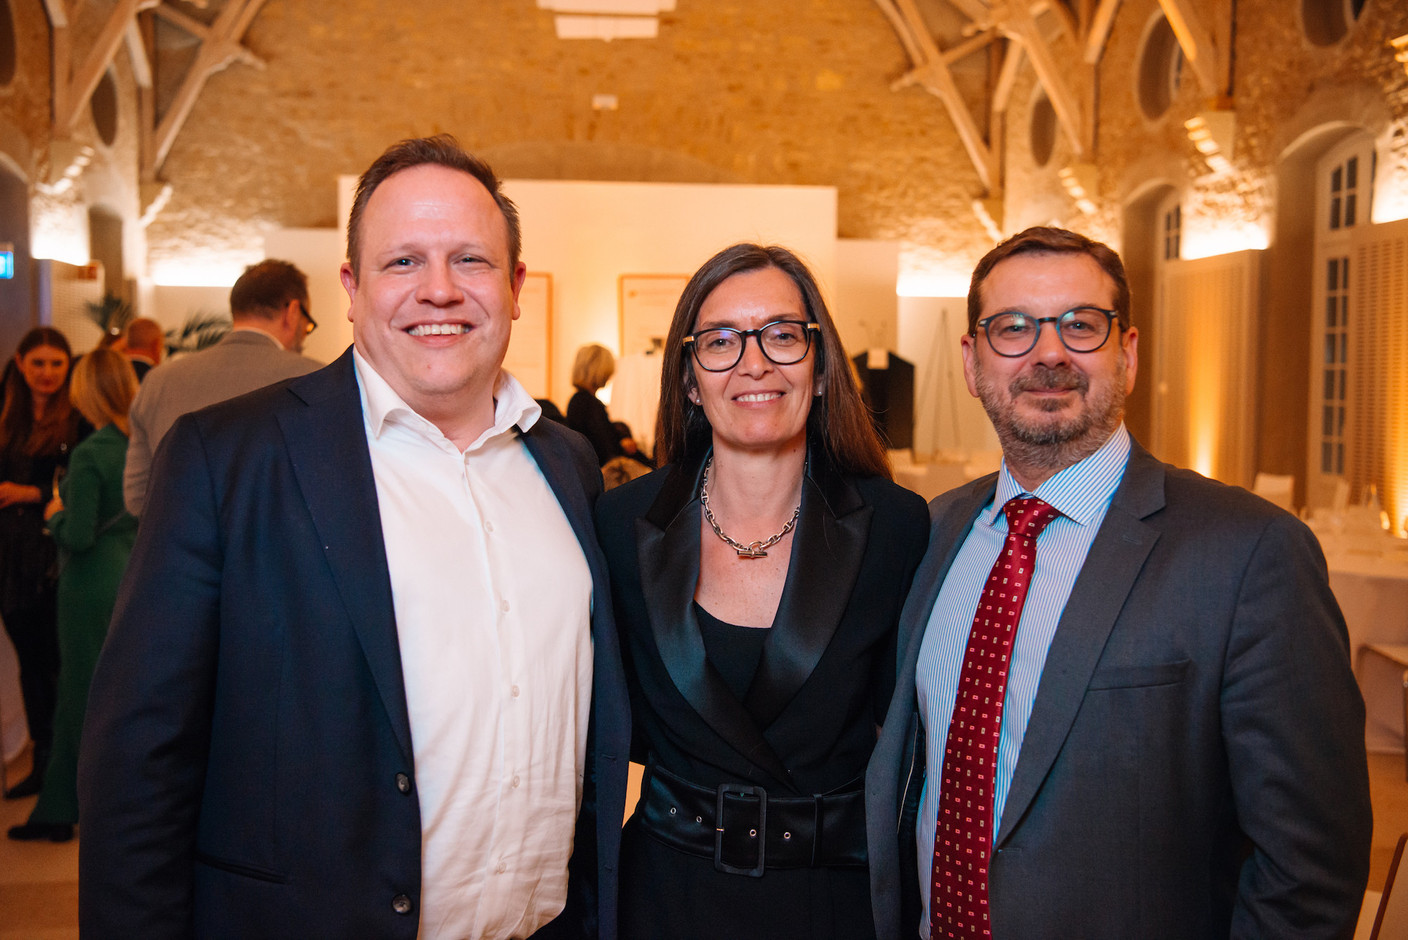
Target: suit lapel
<point>566,485</point>
<point>1113,564</point>
<point>821,574</point>
<point>327,447</point>
<point>667,549</point>
<point>946,537</point>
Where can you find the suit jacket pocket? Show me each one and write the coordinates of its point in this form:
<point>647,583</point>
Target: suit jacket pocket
<point>241,869</point>
<point>1134,677</point>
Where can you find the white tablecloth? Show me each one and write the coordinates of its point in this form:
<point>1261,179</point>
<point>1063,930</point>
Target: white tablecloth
<point>1370,579</point>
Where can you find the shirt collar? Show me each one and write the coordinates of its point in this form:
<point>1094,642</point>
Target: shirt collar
<point>1081,491</point>
<point>381,406</point>
<point>254,329</point>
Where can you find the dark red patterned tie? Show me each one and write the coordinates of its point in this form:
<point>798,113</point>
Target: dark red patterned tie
<point>958,897</point>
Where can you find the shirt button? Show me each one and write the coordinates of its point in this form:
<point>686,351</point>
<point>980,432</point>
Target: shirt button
<point>513,691</point>
<point>401,904</point>
<point>503,605</point>
<point>515,780</point>
<point>501,868</point>
<point>403,783</point>
<point>488,527</point>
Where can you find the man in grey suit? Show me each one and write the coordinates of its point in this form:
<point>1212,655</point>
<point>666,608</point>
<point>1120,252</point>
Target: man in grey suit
<point>1160,736</point>
<point>269,307</point>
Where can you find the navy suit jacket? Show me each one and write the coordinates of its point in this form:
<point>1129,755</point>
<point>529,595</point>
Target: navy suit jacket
<point>1194,765</point>
<point>247,767</point>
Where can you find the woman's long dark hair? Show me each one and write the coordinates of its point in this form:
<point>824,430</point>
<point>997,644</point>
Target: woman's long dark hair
<point>58,425</point>
<point>838,418</point>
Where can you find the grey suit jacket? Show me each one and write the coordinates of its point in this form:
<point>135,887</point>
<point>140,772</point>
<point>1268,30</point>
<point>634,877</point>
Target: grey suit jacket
<point>241,362</point>
<point>1194,765</point>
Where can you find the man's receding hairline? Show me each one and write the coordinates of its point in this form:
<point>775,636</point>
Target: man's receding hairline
<point>356,264</point>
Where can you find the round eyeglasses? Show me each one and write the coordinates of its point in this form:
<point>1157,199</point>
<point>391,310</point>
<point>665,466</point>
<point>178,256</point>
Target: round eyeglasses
<point>1082,330</point>
<point>783,342</point>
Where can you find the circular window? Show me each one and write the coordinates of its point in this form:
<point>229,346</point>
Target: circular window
<point>1327,21</point>
<point>7,44</point>
<point>1043,129</point>
<point>1160,69</point>
<point>104,108</point>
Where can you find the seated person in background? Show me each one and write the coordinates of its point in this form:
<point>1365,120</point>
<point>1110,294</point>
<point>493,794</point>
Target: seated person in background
<point>586,414</point>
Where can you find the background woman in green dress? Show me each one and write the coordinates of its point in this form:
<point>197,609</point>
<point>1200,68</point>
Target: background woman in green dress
<point>94,533</point>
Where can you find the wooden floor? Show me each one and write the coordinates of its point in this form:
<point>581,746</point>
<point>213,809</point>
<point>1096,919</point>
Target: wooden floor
<point>39,880</point>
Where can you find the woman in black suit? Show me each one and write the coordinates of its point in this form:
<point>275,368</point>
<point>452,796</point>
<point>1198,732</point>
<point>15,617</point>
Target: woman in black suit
<point>757,580</point>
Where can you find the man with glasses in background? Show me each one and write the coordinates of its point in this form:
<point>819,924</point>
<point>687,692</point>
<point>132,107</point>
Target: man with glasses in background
<point>269,309</point>
<point>1125,705</point>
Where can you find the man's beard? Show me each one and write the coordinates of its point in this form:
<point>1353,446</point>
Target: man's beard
<point>1060,440</point>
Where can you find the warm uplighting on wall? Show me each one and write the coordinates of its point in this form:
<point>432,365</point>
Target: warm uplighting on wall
<point>1212,133</point>
<point>932,284</point>
<point>1221,238</point>
<point>1400,49</point>
<point>180,272</point>
<point>58,233</point>
<point>1080,182</point>
<point>1390,190</point>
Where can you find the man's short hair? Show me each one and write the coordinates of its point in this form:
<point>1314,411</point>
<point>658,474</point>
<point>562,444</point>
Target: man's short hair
<point>265,289</point>
<point>144,333</point>
<point>1047,240</point>
<point>440,150</point>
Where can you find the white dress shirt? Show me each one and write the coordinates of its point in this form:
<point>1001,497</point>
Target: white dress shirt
<point>1082,494</point>
<point>492,596</point>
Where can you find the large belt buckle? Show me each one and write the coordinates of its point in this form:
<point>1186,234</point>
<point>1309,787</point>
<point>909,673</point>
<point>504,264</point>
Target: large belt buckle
<point>726,789</point>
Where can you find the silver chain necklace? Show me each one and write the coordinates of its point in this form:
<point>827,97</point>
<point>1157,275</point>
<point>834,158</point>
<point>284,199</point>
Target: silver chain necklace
<point>753,549</point>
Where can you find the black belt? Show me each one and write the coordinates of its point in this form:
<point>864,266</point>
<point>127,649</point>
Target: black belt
<point>747,832</point>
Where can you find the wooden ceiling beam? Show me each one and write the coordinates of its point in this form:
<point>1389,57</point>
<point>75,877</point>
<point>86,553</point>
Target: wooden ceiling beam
<point>187,22</point>
<point>1016,19</point>
<point>78,90</point>
<point>1100,25</point>
<point>1007,78</point>
<point>137,52</point>
<point>1198,47</point>
<point>220,46</point>
<point>932,72</point>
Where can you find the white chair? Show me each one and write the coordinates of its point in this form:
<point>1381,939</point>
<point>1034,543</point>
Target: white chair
<point>1395,656</point>
<point>1276,488</point>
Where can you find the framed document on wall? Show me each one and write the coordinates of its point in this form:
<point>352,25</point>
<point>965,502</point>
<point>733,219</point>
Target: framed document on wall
<point>647,306</point>
<point>529,355</point>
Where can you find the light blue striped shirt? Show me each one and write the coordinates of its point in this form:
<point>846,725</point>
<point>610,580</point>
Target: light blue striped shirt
<point>1082,494</point>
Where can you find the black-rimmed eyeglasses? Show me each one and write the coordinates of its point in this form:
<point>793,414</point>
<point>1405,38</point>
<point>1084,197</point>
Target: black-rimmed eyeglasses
<point>1082,330</point>
<point>783,342</point>
<point>312,324</point>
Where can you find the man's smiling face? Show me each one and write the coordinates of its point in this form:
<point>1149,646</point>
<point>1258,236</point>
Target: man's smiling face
<point>435,293</point>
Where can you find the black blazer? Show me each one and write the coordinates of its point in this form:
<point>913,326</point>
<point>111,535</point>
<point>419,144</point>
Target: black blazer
<point>247,767</point>
<point>588,417</point>
<point>827,664</point>
<point>1194,765</point>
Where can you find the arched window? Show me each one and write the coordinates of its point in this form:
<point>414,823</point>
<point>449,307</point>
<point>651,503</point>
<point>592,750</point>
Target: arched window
<point>1327,21</point>
<point>1160,69</point>
<point>7,44</point>
<point>1042,130</point>
<point>103,106</point>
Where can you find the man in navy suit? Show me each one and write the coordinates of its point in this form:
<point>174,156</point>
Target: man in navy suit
<point>363,678</point>
<point>1178,748</point>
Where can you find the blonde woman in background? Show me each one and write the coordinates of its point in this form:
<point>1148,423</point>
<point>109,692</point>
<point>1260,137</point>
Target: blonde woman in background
<point>94,533</point>
<point>586,415</point>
